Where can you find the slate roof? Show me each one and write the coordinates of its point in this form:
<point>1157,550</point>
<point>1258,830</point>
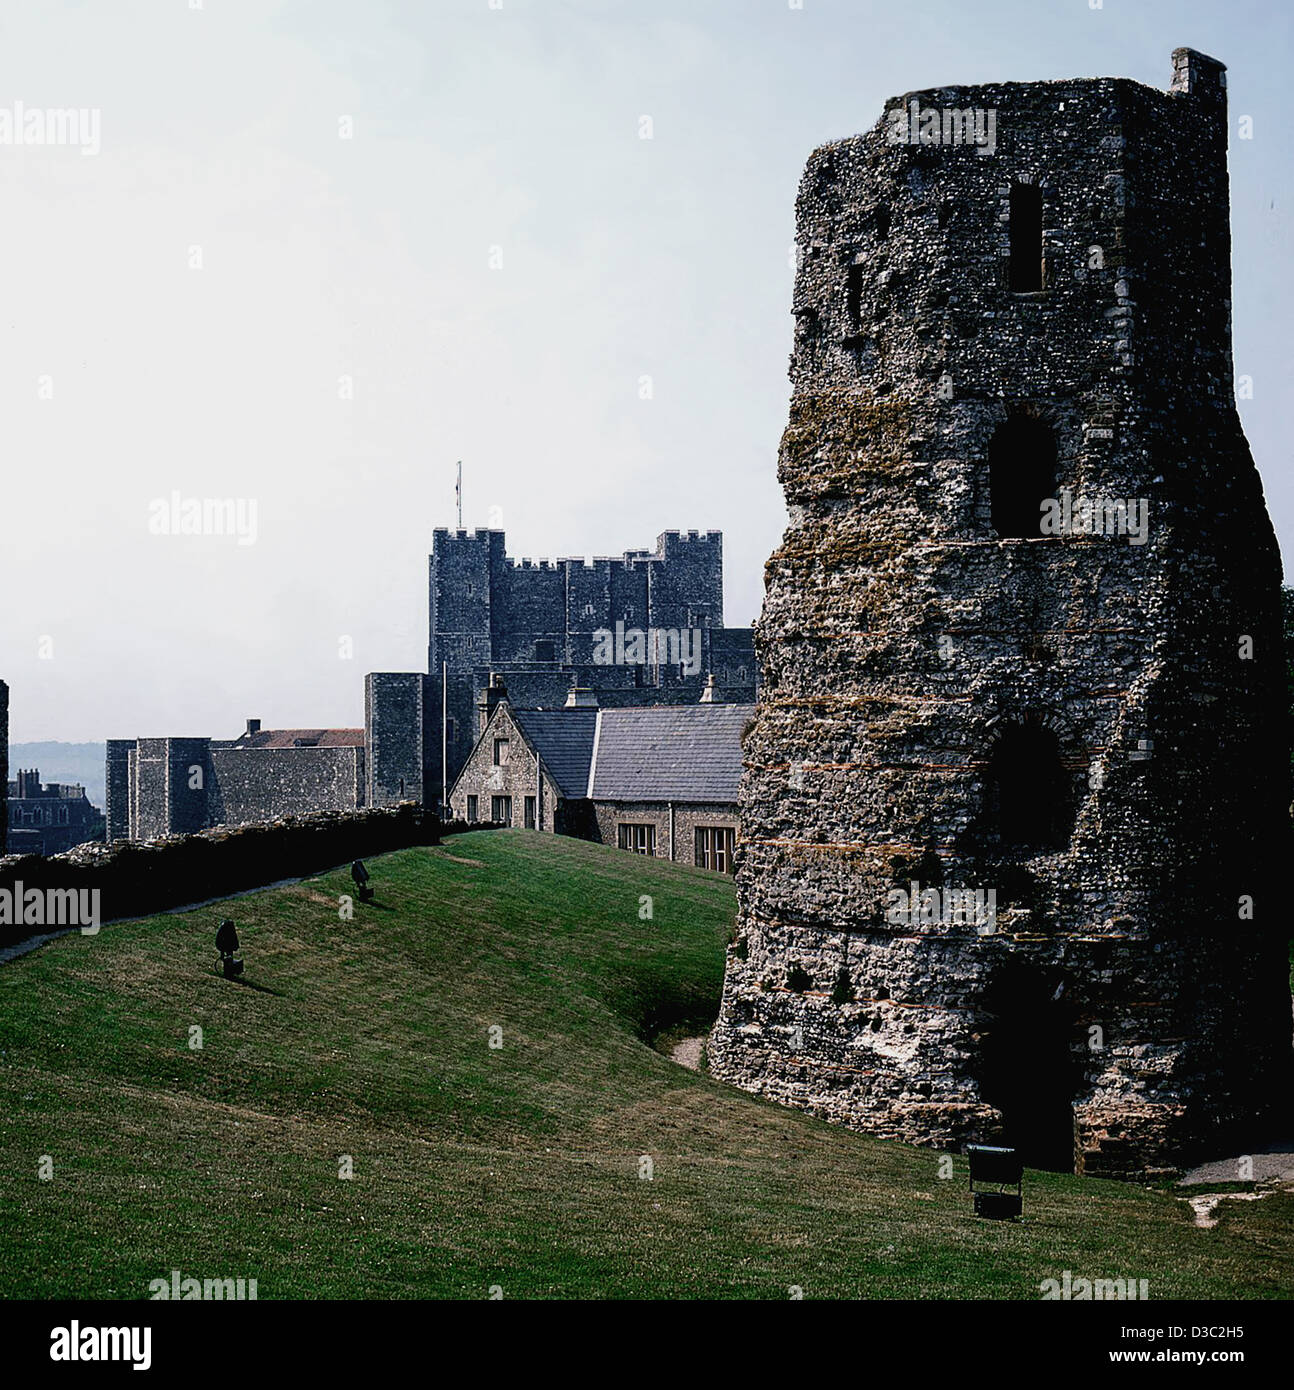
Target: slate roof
<point>669,753</point>
<point>300,738</point>
<point>563,738</point>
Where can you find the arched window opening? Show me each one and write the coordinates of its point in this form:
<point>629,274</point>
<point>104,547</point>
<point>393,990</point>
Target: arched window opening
<point>1026,237</point>
<point>1029,791</point>
<point>1022,475</point>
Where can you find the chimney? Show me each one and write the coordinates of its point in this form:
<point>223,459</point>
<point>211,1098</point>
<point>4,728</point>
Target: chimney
<point>495,692</point>
<point>253,727</point>
<point>580,697</point>
<point>710,695</point>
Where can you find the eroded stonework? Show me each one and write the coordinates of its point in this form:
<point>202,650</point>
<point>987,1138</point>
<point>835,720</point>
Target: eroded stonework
<point>1090,723</point>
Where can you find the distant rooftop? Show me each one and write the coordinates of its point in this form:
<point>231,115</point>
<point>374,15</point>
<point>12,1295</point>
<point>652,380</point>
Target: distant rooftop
<point>299,738</point>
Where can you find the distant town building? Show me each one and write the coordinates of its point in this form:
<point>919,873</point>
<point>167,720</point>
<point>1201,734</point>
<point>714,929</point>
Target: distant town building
<point>659,780</point>
<point>4,765</point>
<point>48,818</point>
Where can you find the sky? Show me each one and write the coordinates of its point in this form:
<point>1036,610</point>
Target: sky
<point>307,256</point>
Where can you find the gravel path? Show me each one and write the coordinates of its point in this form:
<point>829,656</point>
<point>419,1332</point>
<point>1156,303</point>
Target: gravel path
<point>1274,1164</point>
<point>688,1053</point>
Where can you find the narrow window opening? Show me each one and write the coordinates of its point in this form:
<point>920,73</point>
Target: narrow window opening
<point>1026,238</point>
<point>1030,795</point>
<point>854,296</point>
<point>1022,475</point>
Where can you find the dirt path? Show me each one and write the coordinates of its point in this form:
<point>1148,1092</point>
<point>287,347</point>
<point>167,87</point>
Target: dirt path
<point>688,1053</point>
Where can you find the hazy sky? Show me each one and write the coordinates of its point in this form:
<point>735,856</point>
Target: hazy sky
<point>495,259</point>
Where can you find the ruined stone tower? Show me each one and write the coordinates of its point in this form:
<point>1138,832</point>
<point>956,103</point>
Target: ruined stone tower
<point>1022,640</point>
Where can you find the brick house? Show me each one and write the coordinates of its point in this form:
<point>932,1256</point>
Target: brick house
<point>659,779</point>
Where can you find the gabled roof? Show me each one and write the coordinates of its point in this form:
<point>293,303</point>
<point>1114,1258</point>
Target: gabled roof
<point>563,739</point>
<point>669,753</point>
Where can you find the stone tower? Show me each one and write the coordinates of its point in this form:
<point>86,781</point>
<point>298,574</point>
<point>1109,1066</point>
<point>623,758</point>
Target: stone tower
<point>1016,788</point>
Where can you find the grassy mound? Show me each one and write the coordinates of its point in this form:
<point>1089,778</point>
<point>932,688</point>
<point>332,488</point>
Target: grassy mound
<point>519,1166</point>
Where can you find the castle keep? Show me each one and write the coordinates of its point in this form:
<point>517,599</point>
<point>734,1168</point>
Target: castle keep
<point>546,627</point>
<point>1021,641</point>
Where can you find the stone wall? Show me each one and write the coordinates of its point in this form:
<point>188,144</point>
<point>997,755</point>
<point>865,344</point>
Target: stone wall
<point>136,879</point>
<point>250,785</point>
<point>608,816</point>
<point>1089,727</point>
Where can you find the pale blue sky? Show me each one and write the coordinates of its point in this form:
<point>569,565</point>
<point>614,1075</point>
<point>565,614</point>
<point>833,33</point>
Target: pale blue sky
<point>474,128</point>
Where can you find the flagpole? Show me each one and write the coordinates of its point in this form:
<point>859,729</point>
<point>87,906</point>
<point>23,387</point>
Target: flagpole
<point>458,493</point>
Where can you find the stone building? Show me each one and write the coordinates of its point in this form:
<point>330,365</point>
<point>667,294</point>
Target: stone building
<point>644,628</point>
<point>663,781</point>
<point>49,818</point>
<point>529,768</point>
<point>658,780</point>
<point>1021,641</point>
<point>175,786</point>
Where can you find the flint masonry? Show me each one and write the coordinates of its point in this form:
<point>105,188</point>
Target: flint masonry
<point>955,697</point>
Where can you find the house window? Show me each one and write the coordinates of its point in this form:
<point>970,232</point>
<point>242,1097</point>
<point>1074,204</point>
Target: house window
<point>1022,476</point>
<point>472,808</point>
<point>638,839</point>
<point>530,813</point>
<point>451,730</point>
<point>62,815</point>
<point>501,809</point>
<point>588,610</point>
<point>500,752</point>
<point>714,846</point>
<point>1026,238</point>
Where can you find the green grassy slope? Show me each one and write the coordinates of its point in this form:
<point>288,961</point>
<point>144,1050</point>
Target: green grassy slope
<point>518,1166</point>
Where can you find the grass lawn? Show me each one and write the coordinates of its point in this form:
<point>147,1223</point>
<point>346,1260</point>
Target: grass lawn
<point>517,1166</point>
